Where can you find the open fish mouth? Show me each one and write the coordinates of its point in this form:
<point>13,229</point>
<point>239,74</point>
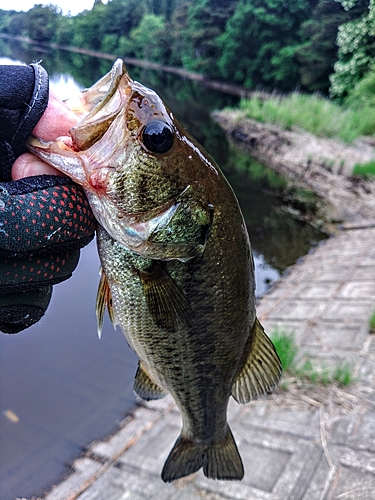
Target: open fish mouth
<point>98,106</point>
<point>176,229</point>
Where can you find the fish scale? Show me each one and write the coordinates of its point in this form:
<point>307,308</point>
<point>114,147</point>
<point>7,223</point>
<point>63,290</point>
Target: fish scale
<point>174,353</point>
<point>177,268</point>
<point>137,194</point>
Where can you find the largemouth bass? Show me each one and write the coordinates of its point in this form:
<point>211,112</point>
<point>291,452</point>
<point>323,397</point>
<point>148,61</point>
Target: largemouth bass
<point>177,268</point>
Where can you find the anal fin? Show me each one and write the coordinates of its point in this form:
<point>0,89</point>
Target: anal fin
<point>261,370</point>
<point>103,301</point>
<point>145,387</point>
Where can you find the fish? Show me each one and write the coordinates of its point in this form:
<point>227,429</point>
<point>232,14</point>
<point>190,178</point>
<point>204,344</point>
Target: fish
<point>177,271</point>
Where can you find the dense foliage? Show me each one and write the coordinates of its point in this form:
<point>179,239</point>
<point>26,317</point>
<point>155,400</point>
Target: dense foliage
<point>356,54</point>
<point>315,45</point>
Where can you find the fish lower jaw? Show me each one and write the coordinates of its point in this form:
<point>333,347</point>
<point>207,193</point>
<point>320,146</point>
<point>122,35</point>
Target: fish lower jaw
<point>62,143</point>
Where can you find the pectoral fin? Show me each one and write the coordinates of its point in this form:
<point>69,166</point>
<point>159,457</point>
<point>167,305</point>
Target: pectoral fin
<point>103,301</point>
<point>145,387</point>
<point>166,302</point>
<point>262,369</point>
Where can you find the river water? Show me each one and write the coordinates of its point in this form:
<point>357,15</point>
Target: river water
<point>60,386</point>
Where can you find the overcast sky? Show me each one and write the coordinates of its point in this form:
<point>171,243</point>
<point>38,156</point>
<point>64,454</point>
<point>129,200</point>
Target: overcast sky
<point>75,6</point>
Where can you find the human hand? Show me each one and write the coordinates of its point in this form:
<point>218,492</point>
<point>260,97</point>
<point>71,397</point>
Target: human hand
<point>44,217</point>
<point>55,121</point>
<point>40,210</point>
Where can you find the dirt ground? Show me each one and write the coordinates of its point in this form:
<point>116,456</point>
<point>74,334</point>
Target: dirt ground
<point>322,165</point>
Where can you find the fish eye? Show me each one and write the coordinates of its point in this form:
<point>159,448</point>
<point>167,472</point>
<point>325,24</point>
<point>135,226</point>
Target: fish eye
<point>158,136</point>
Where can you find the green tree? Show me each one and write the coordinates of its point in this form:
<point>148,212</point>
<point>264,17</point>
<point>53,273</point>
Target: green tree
<point>363,93</point>
<point>121,16</point>
<point>13,23</point>
<point>89,28</point>
<point>356,54</point>
<point>318,53</point>
<point>147,38</point>
<point>163,8</point>
<point>41,22</point>
<point>178,31</point>
<point>102,27</point>
<point>65,30</point>
<point>206,22</point>
<point>255,48</point>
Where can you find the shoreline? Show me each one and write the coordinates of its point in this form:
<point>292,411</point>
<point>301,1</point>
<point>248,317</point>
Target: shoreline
<point>318,164</point>
<point>229,88</point>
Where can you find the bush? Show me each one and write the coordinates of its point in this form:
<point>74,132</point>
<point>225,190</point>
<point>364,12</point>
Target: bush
<point>363,94</point>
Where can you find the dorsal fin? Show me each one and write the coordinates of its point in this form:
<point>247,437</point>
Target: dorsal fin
<point>262,368</point>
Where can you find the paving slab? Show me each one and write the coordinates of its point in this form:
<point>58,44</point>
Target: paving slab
<point>303,443</point>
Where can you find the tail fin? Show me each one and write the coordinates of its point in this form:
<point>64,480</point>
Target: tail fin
<point>219,460</point>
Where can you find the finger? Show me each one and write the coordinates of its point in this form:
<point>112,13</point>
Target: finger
<point>57,120</point>
<point>28,164</point>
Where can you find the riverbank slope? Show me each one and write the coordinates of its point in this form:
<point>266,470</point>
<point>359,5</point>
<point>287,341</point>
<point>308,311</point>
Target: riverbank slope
<point>322,165</point>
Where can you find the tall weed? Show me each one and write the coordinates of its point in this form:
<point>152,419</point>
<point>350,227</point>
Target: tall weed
<point>313,113</point>
<point>304,368</point>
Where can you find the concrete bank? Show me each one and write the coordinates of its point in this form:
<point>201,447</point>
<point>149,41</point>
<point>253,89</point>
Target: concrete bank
<point>307,442</point>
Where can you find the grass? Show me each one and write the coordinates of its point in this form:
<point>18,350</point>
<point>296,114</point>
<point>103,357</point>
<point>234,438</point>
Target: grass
<point>372,323</point>
<point>306,369</point>
<point>364,169</point>
<point>313,113</point>
<point>286,348</point>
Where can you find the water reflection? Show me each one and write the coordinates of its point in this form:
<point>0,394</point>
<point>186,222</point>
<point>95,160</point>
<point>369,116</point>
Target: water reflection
<point>276,235</point>
<point>60,386</point>
<point>65,386</point>
<point>64,85</point>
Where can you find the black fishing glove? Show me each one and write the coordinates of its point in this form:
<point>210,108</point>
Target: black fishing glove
<point>44,219</point>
